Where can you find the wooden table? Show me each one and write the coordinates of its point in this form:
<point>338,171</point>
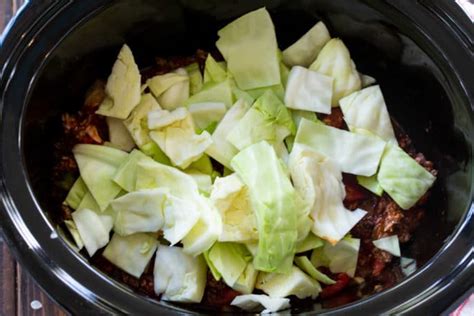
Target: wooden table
<point>17,289</point>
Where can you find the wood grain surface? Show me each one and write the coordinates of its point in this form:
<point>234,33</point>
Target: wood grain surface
<point>19,294</point>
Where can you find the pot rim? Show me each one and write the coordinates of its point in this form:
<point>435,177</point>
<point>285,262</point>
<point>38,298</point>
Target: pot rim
<point>62,272</point>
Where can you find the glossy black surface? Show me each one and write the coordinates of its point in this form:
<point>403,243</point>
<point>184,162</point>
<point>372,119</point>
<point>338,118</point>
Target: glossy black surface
<point>422,59</point>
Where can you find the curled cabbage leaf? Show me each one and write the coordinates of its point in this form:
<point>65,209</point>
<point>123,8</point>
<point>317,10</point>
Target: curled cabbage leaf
<point>335,60</point>
<point>123,87</point>
<point>252,302</point>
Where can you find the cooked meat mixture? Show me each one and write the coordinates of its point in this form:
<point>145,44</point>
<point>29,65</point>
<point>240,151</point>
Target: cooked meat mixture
<point>376,269</point>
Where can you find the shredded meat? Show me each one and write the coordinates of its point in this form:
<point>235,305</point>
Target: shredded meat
<point>217,292</point>
<point>335,119</point>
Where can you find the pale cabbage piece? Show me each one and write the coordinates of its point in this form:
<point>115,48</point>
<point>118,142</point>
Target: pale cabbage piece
<point>309,243</point>
<point>97,166</point>
<point>252,302</point>
<point>366,110</point>
<point>319,182</point>
<point>123,87</point>
<point>195,78</point>
<point>175,134</point>
<point>284,73</point>
<point>304,221</point>
<point>408,265</point>
<point>252,247</point>
<point>206,113</point>
<point>181,216</point>
<point>231,197</point>
<point>250,48</point>
<point>119,135</point>
<point>341,257</point>
<point>207,229</point>
<point>93,225</point>
<point>246,282</point>
<point>335,60</point>
<point>204,181</point>
<point>137,122</point>
<point>230,259</point>
<point>213,92</point>
<point>296,283</point>
<point>371,184</point>
<point>139,211</point>
<point>171,89</point>
<point>305,50</point>
<point>179,277</point>
<point>151,174</point>
<point>126,175</point>
<point>353,153</point>
<point>403,178</point>
<point>275,206</point>
<point>72,228</point>
<point>76,194</point>
<point>268,119</point>
<point>152,150</point>
<point>203,165</point>
<point>308,90</point>
<point>213,71</point>
<point>305,264</point>
<point>278,90</point>
<point>131,253</point>
<point>221,149</point>
<point>389,244</point>
<point>215,273</point>
<point>366,80</point>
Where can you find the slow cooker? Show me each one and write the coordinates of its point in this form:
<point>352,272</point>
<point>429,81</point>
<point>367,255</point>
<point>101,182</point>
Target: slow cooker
<point>421,51</point>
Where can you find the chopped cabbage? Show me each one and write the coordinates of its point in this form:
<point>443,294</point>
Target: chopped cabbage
<point>126,175</point>
<point>353,153</point>
<point>215,273</point>
<point>206,113</point>
<point>366,80</point>
<point>131,253</point>
<point>152,150</point>
<point>371,184</point>
<point>250,48</point>
<point>278,90</point>
<point>305,50</point>
<point>306,265</point>
<point>296,282</point>
<point>204,181</point>
<point>97,165</point>
<point>171,89</point>
<point>246,282</point>
<point>123,87</point>
<point>137,122</point>
<point>335,60</point>
<point>251,302</point>
<point>389,244</point>
<point>181,216</point>
<point>213,71</point>
<point>274,205</point>
<point>309,243</point>
<point>72,228</point>
<point>408,265</point>
<point>140,211</point>
<point>119,135</point>
<point>174,133</point>
<point>203,165</point>
<point>308,90</point>
<point>178,276</point>
<point>76,194</point>
<point>195,78</point>
<point>366,110</point>
<point>232,199</point>
<point>341,257</point>
<point>268,119</point>
<point>319,181</point>
<point>403,178</point>
<point>230,259</point>
<point>92,224</point>
<point>221,149</point>
<point>213,92</point>
<point>207,229</point>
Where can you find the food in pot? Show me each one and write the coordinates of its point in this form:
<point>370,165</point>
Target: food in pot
<point>247,177</point>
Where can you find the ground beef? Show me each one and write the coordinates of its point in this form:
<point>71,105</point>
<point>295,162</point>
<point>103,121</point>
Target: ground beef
<point>217,292</point>
<point>335,119</point>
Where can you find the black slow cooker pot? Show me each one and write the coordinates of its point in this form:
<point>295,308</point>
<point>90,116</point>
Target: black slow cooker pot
<point>421,53</point>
